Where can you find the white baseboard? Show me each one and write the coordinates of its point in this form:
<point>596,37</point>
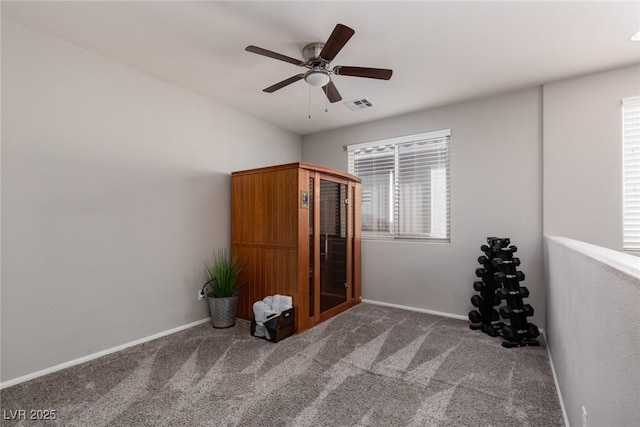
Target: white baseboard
<point>424,310</point>
<point>555,381</point>
<point>93,356</point>
<point>419,310</point>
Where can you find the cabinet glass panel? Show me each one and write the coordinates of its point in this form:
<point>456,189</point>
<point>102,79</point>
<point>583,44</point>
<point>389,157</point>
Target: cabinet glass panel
<point>311,250</point>
<point>333,244</point>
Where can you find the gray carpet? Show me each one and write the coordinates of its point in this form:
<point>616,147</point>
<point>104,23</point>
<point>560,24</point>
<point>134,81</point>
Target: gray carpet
<point>369,366</point>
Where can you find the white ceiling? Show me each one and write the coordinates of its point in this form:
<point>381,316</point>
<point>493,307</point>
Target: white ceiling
<point>441,52</point>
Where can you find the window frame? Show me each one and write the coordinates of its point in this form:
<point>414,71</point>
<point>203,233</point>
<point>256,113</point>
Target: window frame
<point>395,147</point>
<point>630,172</point>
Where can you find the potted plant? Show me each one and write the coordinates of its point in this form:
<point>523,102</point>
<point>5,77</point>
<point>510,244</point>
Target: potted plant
<point>223,286</point>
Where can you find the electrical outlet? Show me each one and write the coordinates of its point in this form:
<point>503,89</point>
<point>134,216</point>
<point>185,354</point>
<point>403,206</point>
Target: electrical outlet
<point>585,419</point>
<point>200,294</point>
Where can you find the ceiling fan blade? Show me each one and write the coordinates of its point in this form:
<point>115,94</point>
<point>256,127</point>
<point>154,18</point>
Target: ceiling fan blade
<point>338,38</point>
<point>331,92</point>
<point>371,73</point>
<point>283,83</point>
<point>274,55</point>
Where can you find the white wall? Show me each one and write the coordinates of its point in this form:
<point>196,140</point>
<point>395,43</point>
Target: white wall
<point>496,187</point>
<point>583,155</point>
<point>115,187</point>
<point>593,331</point>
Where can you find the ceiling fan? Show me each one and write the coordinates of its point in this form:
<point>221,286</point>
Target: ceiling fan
<point>317,57</point>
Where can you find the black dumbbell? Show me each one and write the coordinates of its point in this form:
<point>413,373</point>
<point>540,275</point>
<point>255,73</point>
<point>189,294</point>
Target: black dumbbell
<point>503,243</point>
<point>503,292</point>
<point>528,310</point>
<point>499,261</point>
<point>480,272</point>
<point>498,241</point>
<point>532,330</point>
<point>485,248</point>
<point>483,259</point>
<point>491,241</point>
<point>496,300</point>
<point>477,300</point>
<point>513,334</point>
<point>507,332</point>
<point>495,315</point>
<point>501,277</point>
<point>475,316</point>
<point>507,311</point>
<point>479,285</point>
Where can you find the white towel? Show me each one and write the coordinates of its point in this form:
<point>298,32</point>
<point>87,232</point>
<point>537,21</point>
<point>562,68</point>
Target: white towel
<point>269,301</point>
<point>281,303</point>
<point>260,331</point>
<point>275,305</point>
<point>259,311</point>
<point>286,302</point>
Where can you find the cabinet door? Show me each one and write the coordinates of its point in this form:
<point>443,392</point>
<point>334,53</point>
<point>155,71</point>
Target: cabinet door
<point>335,245</point>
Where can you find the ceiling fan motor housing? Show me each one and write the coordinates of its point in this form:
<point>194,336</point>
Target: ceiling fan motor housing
<point>311,54</point>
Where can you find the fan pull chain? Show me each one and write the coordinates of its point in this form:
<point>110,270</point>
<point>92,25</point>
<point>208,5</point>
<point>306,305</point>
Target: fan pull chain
<point>309,102</point>
<point>326,98</point>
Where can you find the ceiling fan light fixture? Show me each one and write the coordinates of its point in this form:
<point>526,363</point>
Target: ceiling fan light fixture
<point>317,78</point>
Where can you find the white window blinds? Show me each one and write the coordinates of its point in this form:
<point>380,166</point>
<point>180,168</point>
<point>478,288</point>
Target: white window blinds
<point>405,186</point>
<point>631,173</point>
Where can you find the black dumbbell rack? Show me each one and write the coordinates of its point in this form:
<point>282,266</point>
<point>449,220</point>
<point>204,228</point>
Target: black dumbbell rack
<point>485,317</point>
<point>519,332</point>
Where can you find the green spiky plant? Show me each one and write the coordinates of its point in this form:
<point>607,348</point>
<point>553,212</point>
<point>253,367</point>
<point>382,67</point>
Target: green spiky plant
<point>223,275</point>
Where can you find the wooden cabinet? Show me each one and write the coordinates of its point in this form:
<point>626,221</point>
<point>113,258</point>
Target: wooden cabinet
<point>296,230</point>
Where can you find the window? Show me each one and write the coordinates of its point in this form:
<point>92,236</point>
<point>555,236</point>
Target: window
<point>405,186</point>
<point>631,173</point>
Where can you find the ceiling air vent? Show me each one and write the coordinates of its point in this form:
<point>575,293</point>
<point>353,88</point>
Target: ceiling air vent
<point>360,104</point>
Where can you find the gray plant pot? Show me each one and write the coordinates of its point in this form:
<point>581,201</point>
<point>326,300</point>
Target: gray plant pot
<point>223,311</point>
